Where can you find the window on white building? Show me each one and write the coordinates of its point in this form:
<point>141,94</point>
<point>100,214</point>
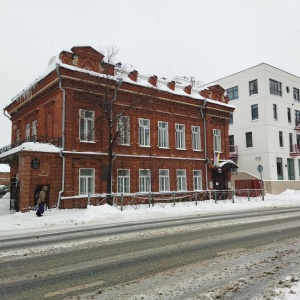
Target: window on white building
<point>291,169</point>
<point>253,90</point>
<point>280,139</point>
<point>296,94</point>
<point>233,93</point>
<point>181,180</point>
<point>297,118</point>
<point>254,111</point>
<point>163,135</point>
<point>123,181</point>
<point>231,119</point>
<point>217,140</point>
<point>197,180</point>
<point>86,181</point>
<point>196,144</point>
<point>275,111</point>
<point>289,115</point>
<point>275,88</point>
<point>249,142</point>
<point>145,180</point>
<point>86,125</point>
<point>279,168</point>
<point>144,132</point>
<point>123,127</point>
<point>180,136</point>
<point>291,142</point>
<point>164,180</point>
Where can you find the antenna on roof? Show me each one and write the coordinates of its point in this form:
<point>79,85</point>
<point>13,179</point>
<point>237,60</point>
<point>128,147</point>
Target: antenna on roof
<point>119,65</point>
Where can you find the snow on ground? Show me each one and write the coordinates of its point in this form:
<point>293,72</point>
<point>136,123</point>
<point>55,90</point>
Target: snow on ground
<point>17,223</point>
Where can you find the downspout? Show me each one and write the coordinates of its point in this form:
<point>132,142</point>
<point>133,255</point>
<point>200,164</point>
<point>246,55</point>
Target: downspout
<point>205,146</point>
<point>62,139</point>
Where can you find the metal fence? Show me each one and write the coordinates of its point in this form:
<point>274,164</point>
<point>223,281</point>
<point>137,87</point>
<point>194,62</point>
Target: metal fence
<point>137,200</point>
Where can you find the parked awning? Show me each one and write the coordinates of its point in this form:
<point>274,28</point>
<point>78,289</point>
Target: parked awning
<point>228,163</point>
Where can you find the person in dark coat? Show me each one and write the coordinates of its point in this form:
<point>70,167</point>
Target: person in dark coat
<point>41,201</point>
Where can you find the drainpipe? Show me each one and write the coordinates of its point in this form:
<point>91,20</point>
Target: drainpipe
<point>205,146</point>
<point>63,139</point>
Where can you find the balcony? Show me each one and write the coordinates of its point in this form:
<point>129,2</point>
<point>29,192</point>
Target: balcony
<point>295,149</point>
<point>43,139</point>
<point>297,125</point>
<point>233,152</point>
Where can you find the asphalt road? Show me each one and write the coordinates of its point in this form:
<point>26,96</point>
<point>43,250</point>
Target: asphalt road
<point>61,264</point>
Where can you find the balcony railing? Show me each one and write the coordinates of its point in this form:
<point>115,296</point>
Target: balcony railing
<point>43,139</point>
<point>294,149</point>
<point>297,125</point>
<point>233,152</point>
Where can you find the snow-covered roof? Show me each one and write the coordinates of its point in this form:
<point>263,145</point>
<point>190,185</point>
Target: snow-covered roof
<point>142,80</point>
<point>31,146</point>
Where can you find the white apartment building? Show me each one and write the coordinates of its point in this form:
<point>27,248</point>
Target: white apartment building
<point>265,127</point>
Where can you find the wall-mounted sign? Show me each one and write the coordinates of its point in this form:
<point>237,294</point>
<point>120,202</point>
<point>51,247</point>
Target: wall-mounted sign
<point>260,168</point>
<point>35,163</point>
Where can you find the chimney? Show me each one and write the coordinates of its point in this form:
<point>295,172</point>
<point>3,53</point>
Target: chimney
<point>133,75</point>
<point>153,80</point>
<point>171,85</point>
<point>188,89</point>
<point>205,93</point>
<point>67,57</point>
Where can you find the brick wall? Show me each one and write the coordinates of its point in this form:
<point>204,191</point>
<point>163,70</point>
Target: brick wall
<point>48,173</point>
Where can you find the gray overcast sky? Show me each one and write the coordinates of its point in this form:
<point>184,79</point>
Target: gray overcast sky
<point>206,39</point>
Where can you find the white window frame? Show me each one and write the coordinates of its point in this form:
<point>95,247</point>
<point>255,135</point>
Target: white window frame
<point>181,180</point>
<point>233,93</point>
<point>86,125</point>
<point>254,112</point>
<point>144,180</point>
<point>163,134</point>
<point>249,139</point>
<point>164,180</point>
<point>123,127</point>
<point>86,181</point>
<point>123,181</point>
<point>180,136</point>
<point>18,135</point>
<point>34,129</point>
<point>275,87</point>
<point>27,131</point>
<point>196,140</point>
<point>253,87</point>
<point>197,180</point>
<point>144,132</point>
<point>231,119</point>
<point>217,140</point>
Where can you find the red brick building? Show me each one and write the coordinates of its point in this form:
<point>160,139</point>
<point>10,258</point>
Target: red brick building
<point>164,136</point>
